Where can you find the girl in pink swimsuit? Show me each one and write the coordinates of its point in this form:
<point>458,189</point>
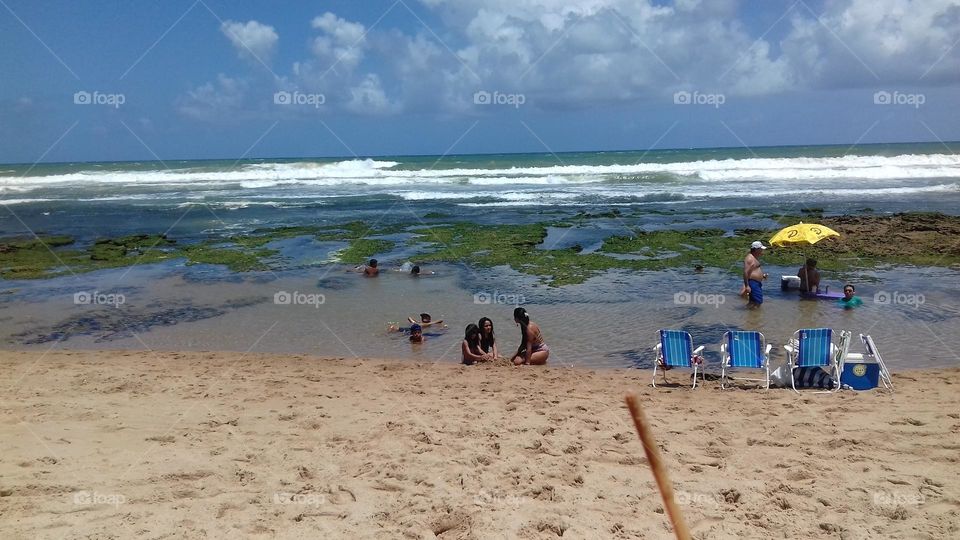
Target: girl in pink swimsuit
<point>533,350</point>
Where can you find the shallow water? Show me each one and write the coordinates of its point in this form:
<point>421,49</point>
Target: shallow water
<point>609,321</point>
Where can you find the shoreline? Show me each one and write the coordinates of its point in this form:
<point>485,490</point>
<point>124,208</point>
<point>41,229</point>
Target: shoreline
<point>135,443</point>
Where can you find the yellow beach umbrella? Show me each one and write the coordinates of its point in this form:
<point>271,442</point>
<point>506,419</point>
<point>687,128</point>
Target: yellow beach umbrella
<point>802,233</point>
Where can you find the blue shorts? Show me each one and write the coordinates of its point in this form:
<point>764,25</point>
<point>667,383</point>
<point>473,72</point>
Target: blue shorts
<point>756,291</point>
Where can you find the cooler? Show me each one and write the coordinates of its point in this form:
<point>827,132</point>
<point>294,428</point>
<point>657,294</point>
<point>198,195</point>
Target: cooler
<point>860,374</point>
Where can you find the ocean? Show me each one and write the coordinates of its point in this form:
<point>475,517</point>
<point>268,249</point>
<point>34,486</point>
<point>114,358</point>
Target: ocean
<point>259,192</point>
<point>206,307</point>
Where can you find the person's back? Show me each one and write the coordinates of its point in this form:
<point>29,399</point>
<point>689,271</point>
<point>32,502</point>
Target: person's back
<point>809,277</point>
<point>372,269</point>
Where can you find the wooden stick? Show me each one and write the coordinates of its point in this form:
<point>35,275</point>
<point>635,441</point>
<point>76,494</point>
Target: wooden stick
<point>659,469</point>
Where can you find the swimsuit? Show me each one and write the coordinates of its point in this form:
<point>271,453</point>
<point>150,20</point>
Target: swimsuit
<point>537,347</point>
<point>756,291</point>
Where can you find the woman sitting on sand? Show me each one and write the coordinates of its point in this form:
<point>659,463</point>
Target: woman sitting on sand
<point>532,348</point>
<point>488,343</point>
<point>470,347</point>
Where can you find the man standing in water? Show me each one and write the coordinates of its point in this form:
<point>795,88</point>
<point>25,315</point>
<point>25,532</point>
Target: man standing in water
<point>753,275</point>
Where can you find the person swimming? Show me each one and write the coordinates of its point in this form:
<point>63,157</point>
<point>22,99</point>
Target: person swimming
<point>470,346</point>
<point>849,301</point>
<point>488,342</point>
<point>427,321</point>
<point>371,269</point>
<point>416,334</point>
<point>533,349</point>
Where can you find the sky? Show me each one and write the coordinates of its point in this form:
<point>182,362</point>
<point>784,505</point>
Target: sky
<point>112,80</point>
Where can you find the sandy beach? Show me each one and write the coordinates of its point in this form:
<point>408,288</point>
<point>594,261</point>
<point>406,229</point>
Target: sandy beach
<point>216,445</point>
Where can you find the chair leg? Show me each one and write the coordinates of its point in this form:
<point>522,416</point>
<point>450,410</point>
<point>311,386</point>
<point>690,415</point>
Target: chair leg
<point>793,380</point>
<point>694,377</point>
<point>655,373</point>
<point>723,374</point>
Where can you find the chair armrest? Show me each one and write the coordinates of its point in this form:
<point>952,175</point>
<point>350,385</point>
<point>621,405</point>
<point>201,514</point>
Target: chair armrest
<point>657,347</point>
<point>788,348</point>
<point>698,349</point>
<point>769,346</point>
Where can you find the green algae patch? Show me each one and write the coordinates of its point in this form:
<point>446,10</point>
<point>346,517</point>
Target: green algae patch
<point>510,245</point>
<point>362,249</point>
<point>237,260</point>
<point>262,237</point>
<point>923,239</point>
<point>356,230</point>
<point>658,250</point>
<point>47,256</point>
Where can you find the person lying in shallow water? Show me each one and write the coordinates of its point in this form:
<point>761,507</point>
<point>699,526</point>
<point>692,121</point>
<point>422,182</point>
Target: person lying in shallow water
<point>416,334</point>
<point>426,321</point>
<point>532,350</point>
<point>371,269</point>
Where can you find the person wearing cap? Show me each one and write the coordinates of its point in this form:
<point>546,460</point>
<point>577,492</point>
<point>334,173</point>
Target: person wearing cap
<point>753,275</point>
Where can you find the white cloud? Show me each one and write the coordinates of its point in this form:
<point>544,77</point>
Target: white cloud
<point>342,43</point>
<point>859,42</point>
<point>252,40</point>
<point>368,97</point>
<point>224,99</point>
<point>578,53</point>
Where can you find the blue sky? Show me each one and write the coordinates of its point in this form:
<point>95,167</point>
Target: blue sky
<point>199,79</point>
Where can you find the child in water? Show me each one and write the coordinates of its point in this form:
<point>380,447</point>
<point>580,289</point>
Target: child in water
<point>416,334</point>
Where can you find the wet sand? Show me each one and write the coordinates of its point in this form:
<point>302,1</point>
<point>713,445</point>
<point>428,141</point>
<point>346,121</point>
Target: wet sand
<point>190,445</point>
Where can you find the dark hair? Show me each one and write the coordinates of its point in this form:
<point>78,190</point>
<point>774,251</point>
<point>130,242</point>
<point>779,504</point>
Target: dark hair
<point>811,262</point>
<point>415,270</point>
<point>425,317</point>
<point>851,286</point>
<point>486,342</point>
<point>415,328</point>
<point>472,334</point>
<point>373,263</point>
<point>520,316</point>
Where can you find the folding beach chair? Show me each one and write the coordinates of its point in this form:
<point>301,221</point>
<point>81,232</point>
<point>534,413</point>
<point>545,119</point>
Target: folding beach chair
<point>872,352</point>
<point>744,349</point>
<point>676,350</point>
<point>813,348</point>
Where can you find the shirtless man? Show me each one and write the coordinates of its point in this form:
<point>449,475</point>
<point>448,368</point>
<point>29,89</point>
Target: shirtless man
<point>809,277</point>
<point>753,275</point>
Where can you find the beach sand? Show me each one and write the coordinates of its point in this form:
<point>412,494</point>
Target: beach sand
<point>217,445</point>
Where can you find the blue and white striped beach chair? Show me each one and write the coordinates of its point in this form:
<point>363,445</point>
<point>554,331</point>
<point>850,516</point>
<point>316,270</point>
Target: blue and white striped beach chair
<point>744,349</point>
<point>675,350</point>
<point>812,348</point>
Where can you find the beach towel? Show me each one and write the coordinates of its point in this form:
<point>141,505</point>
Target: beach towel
<point>814,377</point>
